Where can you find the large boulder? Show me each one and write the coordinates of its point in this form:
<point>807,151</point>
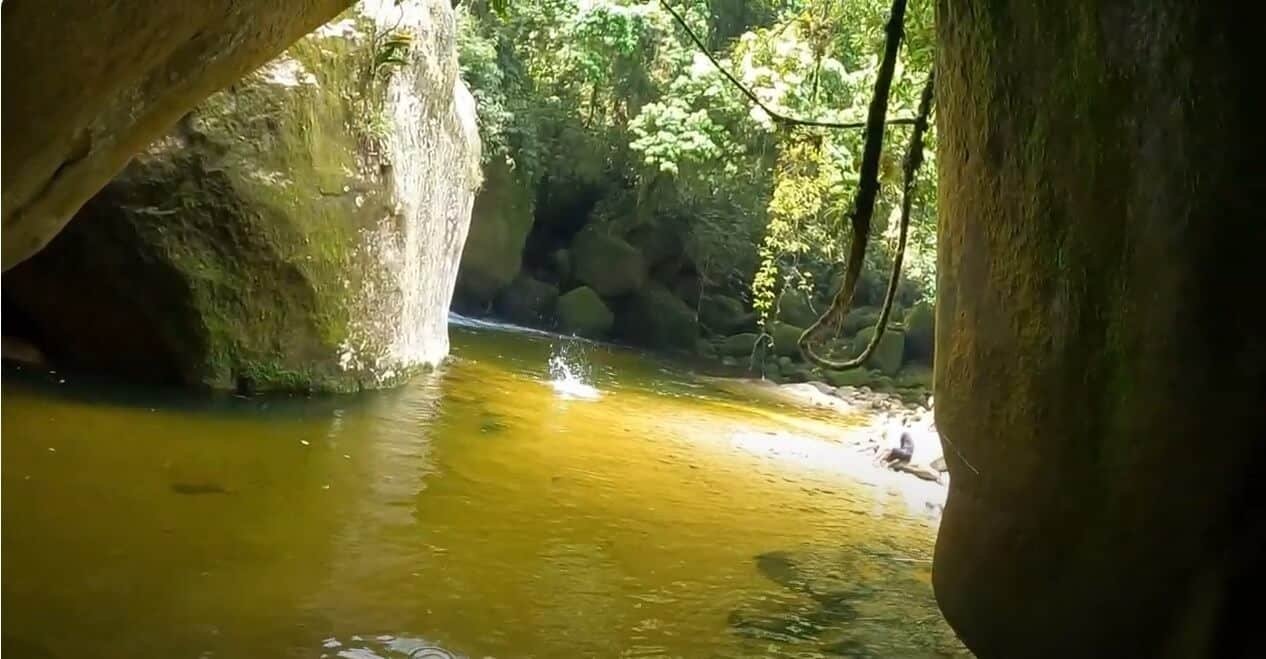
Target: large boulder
<point>300,230</point>
<point>1098,391</point>
<point>920,324</point>
<point>606,263</point>
<point>656,318</point>
<point>88,83</point>
<point>858,318</point>
<point>582,312</point>
<point>527,301</point>
<point>786,337</point>
<point>739,345</point>
<point>722,314</point>
<point>499,226</point>
<point>888,355</point>
<point>795,308</point>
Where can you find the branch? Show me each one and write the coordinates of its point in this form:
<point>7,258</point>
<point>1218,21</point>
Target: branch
<point>773,114</point>
<point>914,158</point>
<point>867,188</point>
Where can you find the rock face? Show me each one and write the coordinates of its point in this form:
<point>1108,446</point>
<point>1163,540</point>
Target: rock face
<point>607,264</point>
<point>88,83</point>
<point>298,231</point>
<point>1099,210</point>
<point>499,226</point>
<point>582,312</point>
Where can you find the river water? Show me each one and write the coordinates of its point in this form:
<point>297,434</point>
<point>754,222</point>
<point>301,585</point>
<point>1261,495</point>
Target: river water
<point>535,497</point>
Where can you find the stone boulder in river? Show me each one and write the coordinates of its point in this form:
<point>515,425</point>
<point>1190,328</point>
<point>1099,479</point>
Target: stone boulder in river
<point>300,230</point>
<point>887,357</point>
<point>499,226</point>
<point>785,338</point>
<point>920,325</point>
<point>607,264</point>
<point>656,318</point>
<point>527,301</point>
<point>794,308</point>
<point>582,312</point>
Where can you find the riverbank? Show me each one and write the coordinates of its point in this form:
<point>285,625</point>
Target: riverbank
<point>872,421</point>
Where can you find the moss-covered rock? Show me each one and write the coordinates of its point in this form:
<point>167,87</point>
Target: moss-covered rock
<point>499,225</point>
<point>795,308</point>
<point>582,312</point>
<point>527,301</point>
<point>888,355</point>
<point>786,337</point>
<point>656,318</point>
<point>851,378</point>
<point>298,231</point>
<point>93,81</point>
<point>607,264</point>
<point>858,318</point>
<point>920,324</point>
<point>739,345</point>
<point>722,314</point>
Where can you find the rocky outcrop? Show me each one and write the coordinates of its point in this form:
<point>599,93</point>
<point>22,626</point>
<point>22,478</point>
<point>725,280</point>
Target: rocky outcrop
<point>794,308</point>
<point>607,264</point>
<point>888,355</point>
<point>298,231</point>
<point>1099,393</point>
<point>582,312</point>
<point>739,345</point>
<point>785,338</point>
<point>499,226</point>
<point>88,83</point>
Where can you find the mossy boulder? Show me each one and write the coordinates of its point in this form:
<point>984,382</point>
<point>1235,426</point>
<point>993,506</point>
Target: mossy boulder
<point>794,307</point>
<point>786,337</point>
<point>298,231</point>
<point>656,318</point>
<point>527,301</point>
<point>858,318</point>
<point>739,345</point>
<point>722,314</point>
<point>582,312</point>
<point>92,83</point>
<point>607,264</point>
<point>920,324</point>
<point>888,355</point>
<point>499,226</point>
<point>851,378</point>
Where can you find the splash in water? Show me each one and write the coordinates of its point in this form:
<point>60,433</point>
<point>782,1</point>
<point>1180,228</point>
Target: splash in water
<point>567,375</point>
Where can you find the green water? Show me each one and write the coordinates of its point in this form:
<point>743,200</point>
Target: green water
<point>476,510</point>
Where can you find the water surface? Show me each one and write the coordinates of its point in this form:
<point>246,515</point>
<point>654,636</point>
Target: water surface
<point>618,507</point>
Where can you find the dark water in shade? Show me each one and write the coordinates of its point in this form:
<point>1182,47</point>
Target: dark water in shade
<point>481,511</point>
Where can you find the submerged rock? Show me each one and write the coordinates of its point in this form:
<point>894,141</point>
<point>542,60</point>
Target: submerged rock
<point>298,231</point>
<point>583,313</point>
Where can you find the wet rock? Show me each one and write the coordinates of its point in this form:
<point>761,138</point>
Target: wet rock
<point>920,325</point>
<point>887,357</point>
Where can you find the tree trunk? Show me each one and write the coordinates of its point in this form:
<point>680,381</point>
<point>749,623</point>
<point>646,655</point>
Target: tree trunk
<point>1097,385</point>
